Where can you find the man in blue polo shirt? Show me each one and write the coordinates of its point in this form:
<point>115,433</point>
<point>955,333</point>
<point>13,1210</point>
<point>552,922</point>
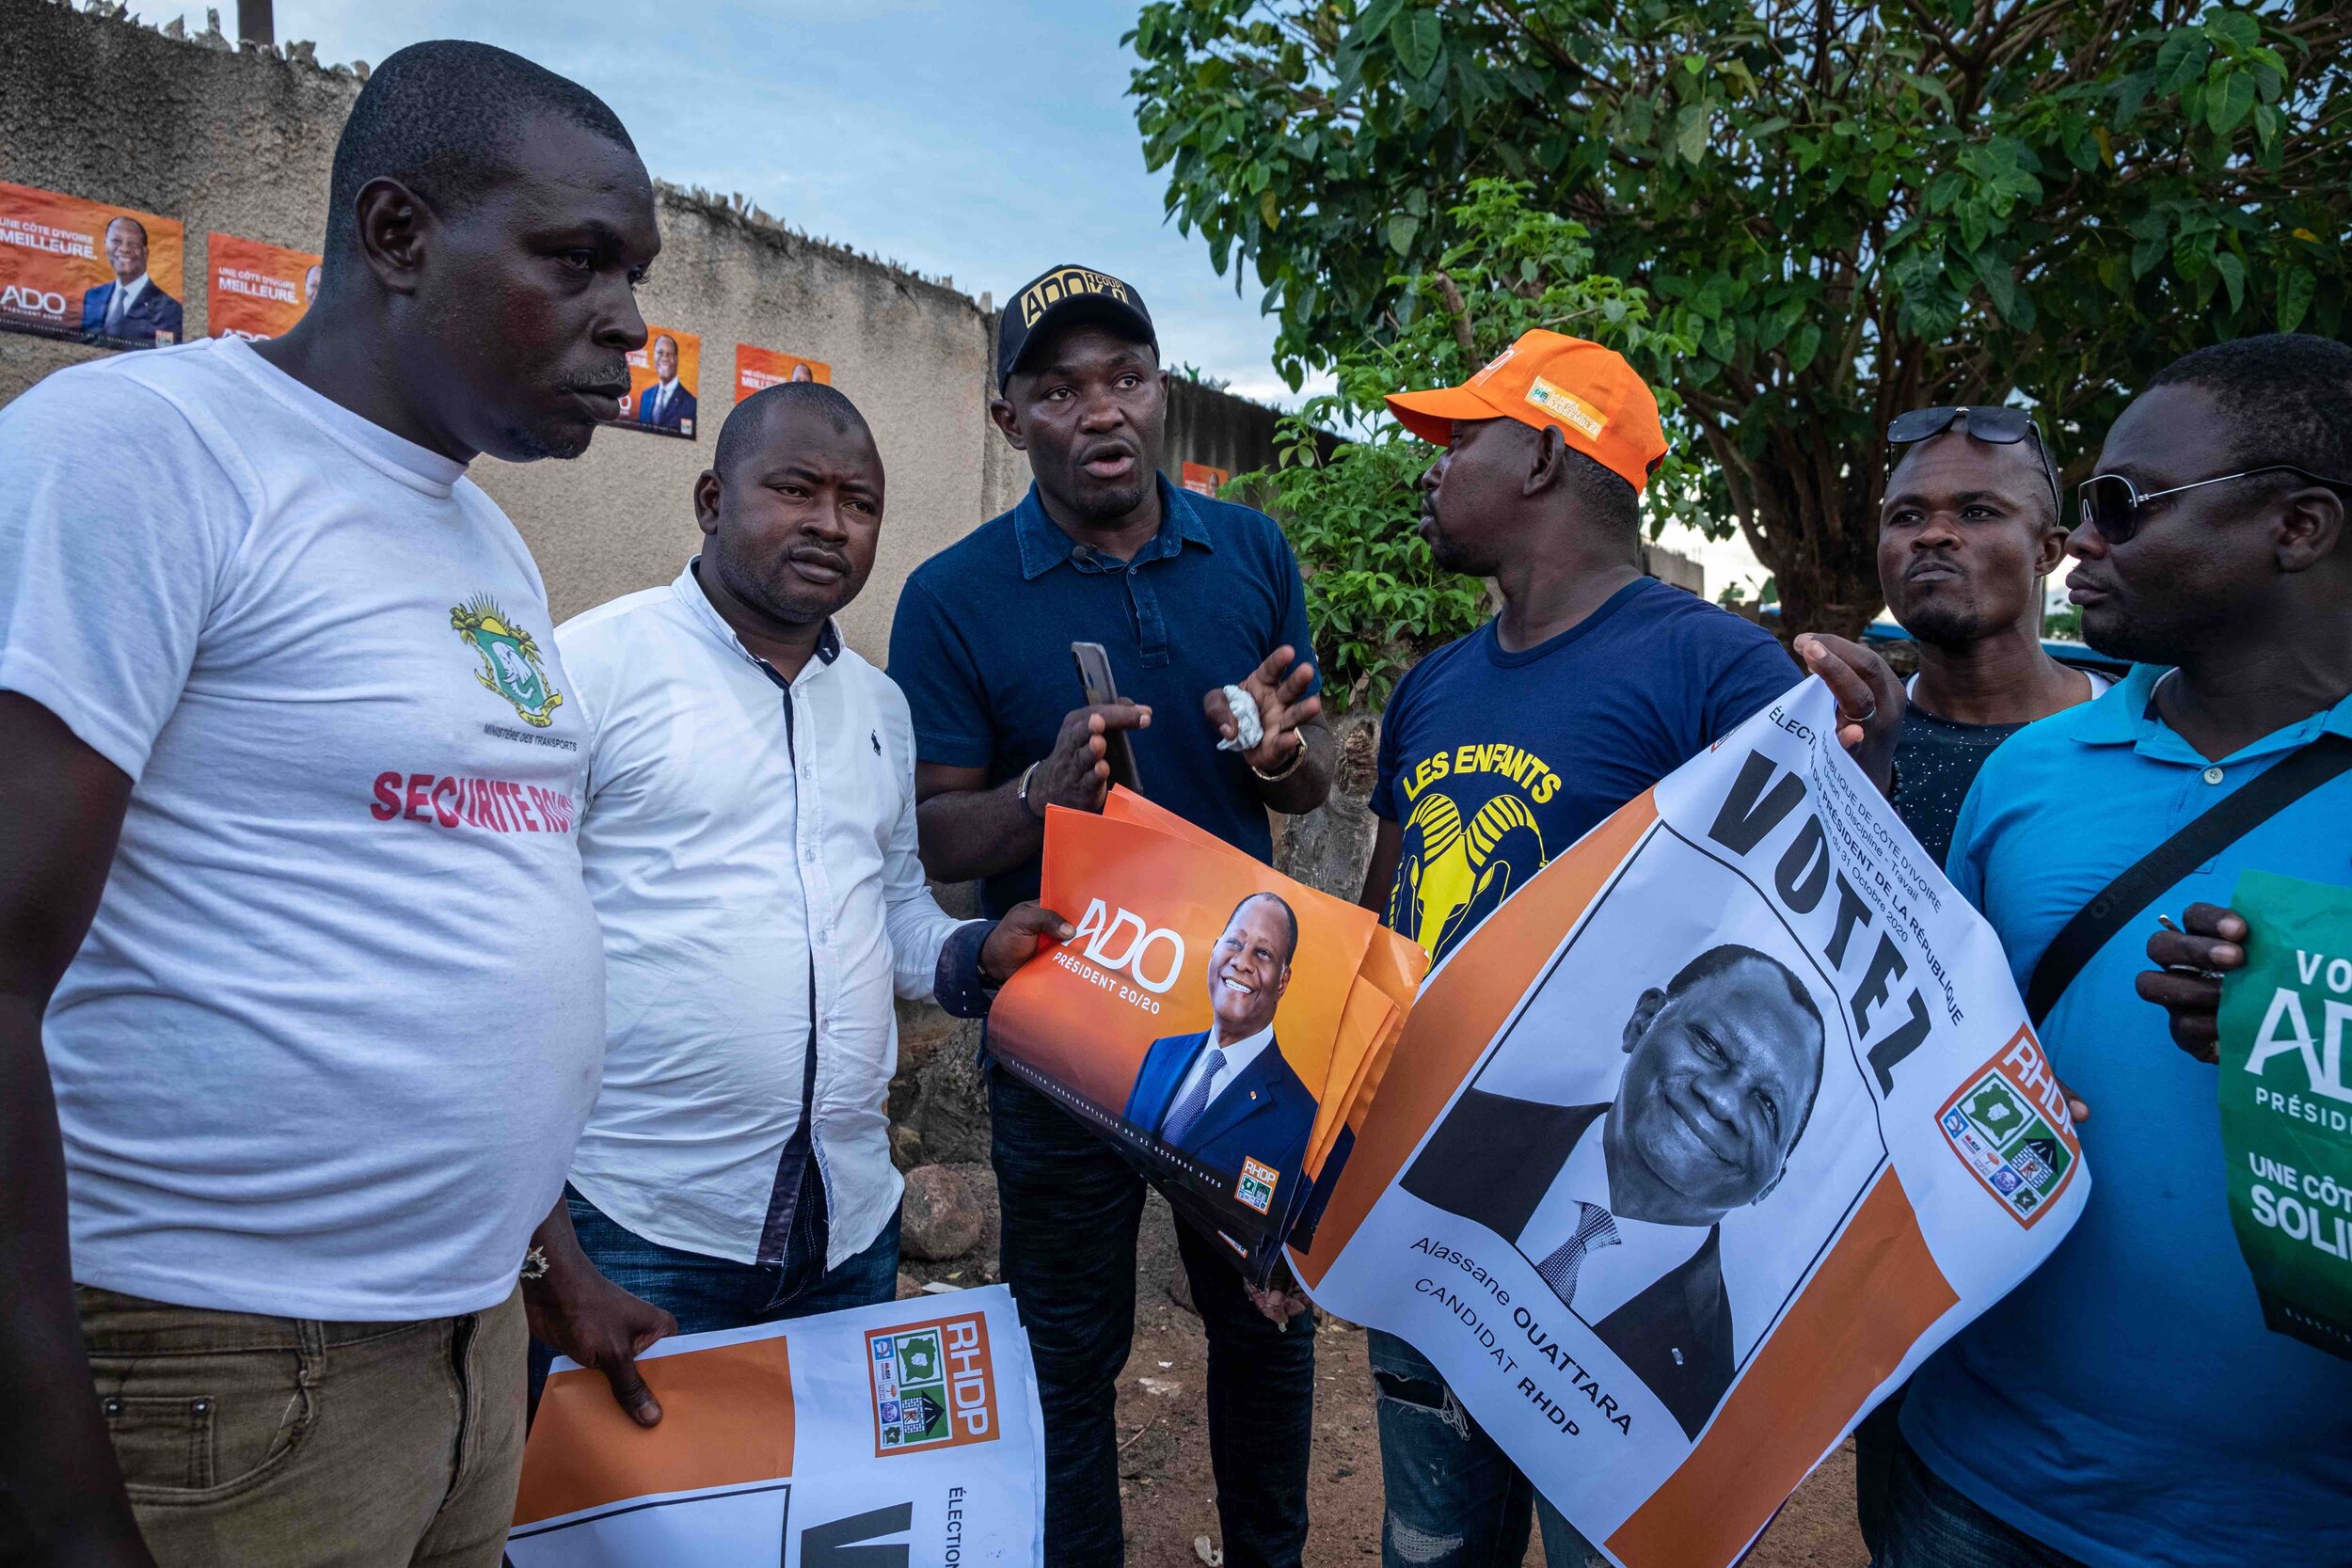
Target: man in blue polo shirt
<point>2125,1405</point>
<point>1188,596</point>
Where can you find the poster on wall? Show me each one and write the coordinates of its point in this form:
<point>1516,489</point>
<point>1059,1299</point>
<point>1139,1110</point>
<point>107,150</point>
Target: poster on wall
<point>755,368</point>
<point>73,268</point>
<point>665,377</point>
<point>1700,1143</point>
<point>1204,479</point>
<point>255,291</point>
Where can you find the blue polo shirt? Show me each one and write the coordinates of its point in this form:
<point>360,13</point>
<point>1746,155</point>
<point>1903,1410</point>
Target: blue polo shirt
<point>981,647</point>
<point>2126,1404</point>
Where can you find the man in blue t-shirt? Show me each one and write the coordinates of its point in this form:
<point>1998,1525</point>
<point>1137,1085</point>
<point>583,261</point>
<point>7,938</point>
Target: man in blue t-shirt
<point>1188,596</point>
<point>2125,1405</point>
<point>1500,751</point>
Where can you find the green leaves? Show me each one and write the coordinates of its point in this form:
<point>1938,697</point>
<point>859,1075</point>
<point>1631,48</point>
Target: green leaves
<point>1419,40</point>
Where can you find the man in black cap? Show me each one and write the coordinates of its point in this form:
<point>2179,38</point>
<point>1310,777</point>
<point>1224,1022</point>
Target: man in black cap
<point>1192,598</point>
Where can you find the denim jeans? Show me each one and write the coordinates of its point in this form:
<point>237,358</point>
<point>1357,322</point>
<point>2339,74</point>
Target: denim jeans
<point>704,1292</point>
<point>1454,1499</point>
<point>1932,1524</point>
<point>259,1442</point>
<point>1072,1206</point>
<point>1877,1445</point>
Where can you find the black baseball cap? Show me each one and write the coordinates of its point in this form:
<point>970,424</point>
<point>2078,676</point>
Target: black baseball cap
<point>1058,297</point>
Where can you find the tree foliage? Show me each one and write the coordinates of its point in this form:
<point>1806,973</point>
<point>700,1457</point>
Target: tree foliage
<point>1376,596</point>
<point>1845,210</point>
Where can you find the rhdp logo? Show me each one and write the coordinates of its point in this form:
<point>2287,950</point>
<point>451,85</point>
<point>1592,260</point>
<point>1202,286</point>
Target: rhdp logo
<point>1256,1186</point>
<point>934,1386</point>
<point>510,659</point>
<point>2009,1126</point>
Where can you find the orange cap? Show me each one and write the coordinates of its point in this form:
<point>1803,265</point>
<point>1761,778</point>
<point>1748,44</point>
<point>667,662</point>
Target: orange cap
<point>1585,391</point>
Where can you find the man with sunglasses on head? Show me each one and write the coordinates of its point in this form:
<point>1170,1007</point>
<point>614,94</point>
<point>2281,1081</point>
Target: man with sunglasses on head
<point>1971,527</point>
<point>2126,1404</point>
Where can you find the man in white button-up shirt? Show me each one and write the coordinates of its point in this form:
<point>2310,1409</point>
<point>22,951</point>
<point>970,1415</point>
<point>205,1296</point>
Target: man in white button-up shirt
<point>749,843</point>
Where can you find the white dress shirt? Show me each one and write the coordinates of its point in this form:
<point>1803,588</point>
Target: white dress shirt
<point>124,297</point>
<point>1609,1276</point>
<point>745,844</point>
<point>1237,1059</point>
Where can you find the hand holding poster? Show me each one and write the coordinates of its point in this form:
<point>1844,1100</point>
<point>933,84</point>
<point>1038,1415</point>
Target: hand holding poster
<point>257,291</point>
<point>71,268</point>
<point>814,1442</point>
<point>2286,1104</point>
<point>1700,1143</point>
<point>1210,1018</point>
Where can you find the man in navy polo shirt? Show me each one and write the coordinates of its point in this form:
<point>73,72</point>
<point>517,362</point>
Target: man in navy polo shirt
<point>1188,596</point>
<point>2125,1405</point>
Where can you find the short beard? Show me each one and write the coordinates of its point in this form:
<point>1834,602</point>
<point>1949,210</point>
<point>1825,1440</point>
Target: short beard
<point>2125,641</point>
<point>1107,506</point>
<point>1944,625</point>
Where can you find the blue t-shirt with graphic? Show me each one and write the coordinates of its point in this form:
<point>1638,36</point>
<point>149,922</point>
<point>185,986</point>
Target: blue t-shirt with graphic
<point>1494,762</point>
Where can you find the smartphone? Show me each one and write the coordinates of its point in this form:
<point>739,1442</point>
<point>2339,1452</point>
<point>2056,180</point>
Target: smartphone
<point>1094,675</point>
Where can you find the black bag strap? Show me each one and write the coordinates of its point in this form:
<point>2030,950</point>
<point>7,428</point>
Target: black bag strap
<point>2207,834</point>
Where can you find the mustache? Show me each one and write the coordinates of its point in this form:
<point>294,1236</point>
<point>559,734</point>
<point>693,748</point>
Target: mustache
<point>607,380</point>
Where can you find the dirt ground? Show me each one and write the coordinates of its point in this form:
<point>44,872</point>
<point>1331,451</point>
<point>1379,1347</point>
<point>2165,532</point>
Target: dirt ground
<point>1164,1445</point>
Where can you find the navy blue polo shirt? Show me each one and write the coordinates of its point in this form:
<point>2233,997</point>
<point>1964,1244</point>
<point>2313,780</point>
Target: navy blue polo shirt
<point>981,647</point>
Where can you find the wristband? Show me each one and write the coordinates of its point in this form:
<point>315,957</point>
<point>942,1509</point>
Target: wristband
<point>1024,792</point>
<point>1287,769</point>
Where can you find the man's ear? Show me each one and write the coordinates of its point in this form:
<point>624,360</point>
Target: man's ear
<point>1282,981</point>
<point>395,228</point>
<point>2310,528</point>
<point>1007,420</point>
<point>1644,1014</point>
<point>2049,550</point>
<point>707,490</point>
<point>1551,463</point>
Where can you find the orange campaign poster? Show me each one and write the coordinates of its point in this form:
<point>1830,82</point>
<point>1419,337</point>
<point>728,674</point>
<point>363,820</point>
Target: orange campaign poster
<point>755,368</point>
<point>1700,1144</point>
<point>76,268</point>
<point>1197,1020</point>
<point>1204,480</point>
<point>255,291</point>
<point>665,380</point>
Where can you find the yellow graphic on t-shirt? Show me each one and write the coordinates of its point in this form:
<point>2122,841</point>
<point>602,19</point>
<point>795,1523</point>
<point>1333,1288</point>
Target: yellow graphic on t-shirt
<point>1454,872</point>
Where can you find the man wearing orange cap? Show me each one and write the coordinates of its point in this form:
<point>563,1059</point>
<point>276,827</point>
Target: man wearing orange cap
<point>1501,750</point>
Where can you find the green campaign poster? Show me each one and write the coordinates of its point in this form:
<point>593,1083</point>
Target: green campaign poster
<point>2286,1108</point>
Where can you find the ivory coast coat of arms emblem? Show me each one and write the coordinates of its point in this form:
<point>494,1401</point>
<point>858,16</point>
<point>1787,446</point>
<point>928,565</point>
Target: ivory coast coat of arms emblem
<point>510,659</point>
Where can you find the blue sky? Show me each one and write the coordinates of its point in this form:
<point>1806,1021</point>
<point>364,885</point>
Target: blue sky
<point>982,140</point>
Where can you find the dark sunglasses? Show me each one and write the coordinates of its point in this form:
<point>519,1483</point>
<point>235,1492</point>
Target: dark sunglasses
<point>2002,426</point>
<point>2112,505</point>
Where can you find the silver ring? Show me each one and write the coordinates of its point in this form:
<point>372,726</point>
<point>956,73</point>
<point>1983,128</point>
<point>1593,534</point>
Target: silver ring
<point>1863,718</point>
<point>2193,972</point>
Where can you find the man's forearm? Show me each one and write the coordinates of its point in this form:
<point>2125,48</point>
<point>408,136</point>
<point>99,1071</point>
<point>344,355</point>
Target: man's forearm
<point>1309,786</point>
<point>61,1495</point>
<point>970,833</point>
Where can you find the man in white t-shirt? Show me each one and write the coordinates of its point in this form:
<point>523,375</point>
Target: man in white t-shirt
<point>290,888</point>
<point>748,834</point>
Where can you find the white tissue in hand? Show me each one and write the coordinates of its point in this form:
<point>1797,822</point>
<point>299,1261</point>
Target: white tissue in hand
<point>1245,720</point>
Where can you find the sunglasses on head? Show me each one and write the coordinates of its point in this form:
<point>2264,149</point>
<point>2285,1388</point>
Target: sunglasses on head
<point>2000,425</point>
<point>2113,504</point>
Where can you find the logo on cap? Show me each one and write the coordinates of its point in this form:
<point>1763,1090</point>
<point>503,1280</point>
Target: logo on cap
<point>1562,403</point>
<point>1055,287</point>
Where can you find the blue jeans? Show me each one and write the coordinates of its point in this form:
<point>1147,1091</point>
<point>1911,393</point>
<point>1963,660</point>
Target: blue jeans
<point>1454,1499</point>
<point>704,1292</point>
<point>1929,1523</point>
<point>1072,1205</point>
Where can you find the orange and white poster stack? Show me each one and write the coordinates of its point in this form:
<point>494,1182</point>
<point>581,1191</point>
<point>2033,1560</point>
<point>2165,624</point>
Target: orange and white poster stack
<point>1701,1144</point>
<point>902,1432</point>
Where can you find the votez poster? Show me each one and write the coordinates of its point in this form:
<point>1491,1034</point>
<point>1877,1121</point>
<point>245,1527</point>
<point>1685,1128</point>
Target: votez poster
<point>95,271</point>
<point>756,368</point>
<point>1700,1143</point>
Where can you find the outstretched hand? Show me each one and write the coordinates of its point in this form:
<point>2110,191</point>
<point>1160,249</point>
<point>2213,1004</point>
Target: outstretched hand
<point>598,1324</point>
<point>1279,687</point>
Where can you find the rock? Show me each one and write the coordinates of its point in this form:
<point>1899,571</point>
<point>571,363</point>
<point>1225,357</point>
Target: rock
<point>1329,847</point>
<point>943,1217</point>
<point>906,1147</point>
<point>908,1287</point>
<point>950,1107</point>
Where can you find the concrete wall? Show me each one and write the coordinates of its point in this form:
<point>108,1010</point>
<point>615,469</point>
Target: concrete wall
<point>242,142</point>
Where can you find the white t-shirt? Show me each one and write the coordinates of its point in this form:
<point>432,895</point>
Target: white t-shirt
<point>338,1019</point>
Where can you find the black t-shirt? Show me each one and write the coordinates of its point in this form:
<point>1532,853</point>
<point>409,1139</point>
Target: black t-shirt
<point>1935,762</point>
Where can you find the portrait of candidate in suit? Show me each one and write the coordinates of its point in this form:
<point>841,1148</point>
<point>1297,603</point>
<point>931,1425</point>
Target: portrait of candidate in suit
<point>1224,1097</point>
<point>666,405</point>
<point>1620,1207</point>
<point>133,311</point>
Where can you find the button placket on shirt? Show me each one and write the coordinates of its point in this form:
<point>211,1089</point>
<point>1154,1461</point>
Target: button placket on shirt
<point>816,887</point>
